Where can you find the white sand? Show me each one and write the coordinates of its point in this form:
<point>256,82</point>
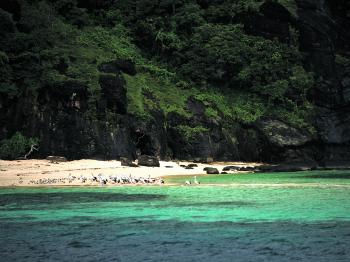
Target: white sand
<point>23,172</point>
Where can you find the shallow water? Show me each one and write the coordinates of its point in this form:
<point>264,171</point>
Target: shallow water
<point>257,217</point>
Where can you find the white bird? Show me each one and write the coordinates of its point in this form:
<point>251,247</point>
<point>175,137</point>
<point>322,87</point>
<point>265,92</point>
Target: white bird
<point>195,180</point>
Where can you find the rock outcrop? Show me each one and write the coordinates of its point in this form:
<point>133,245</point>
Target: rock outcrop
<point>281,135</point>
<point>145,160</point>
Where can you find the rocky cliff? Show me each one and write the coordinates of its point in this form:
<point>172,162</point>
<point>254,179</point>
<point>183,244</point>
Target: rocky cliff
<point>72,119</point>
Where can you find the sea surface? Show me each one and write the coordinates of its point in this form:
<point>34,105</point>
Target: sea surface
<point>302,216</point>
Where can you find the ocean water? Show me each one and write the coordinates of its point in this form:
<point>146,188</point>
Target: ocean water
<point>301,216</point>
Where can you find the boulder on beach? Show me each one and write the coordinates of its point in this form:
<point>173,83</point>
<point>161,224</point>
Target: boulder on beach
<point>239,168</point>
<point>231,168</point>
<point>145,160</point>
<point>127,162</point>
<point>211,170</point>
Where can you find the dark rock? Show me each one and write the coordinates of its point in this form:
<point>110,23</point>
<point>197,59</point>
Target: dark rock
<point>67,95</point>
<point>239,168</point>
<point>196,107</point>
<point>114,92</point>
<point>247,168</point>
<point>183,166</point>
<point>275,11</point>
<point>231,168</point>
<point>337,164</point>
<point>127,162</point>
<point>211,170</point>
<point>13,7</point>
<point>6,23</point>
<point>267,27</point>
<point>188,167</point>
<point>117,66</point>
<point>288,167</point>
<point>192,165</point>
<point>223,173</point>
<point>145,160</point>
<point>334,127</point>
<point>281,135</point>
<point>169,167</point>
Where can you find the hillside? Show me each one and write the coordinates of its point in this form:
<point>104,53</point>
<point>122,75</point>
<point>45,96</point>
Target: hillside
<point>242,80</point>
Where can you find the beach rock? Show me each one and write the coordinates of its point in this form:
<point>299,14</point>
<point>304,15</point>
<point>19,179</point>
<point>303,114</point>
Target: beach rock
<point>231,168</point>
<point>145,160</point>
<point>192,165</point>
<point>247,168</point>
<point>211,170</point>
<point>56,159</point>
<point>127,162</point>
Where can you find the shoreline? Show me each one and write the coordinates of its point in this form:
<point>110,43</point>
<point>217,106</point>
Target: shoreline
<point>22,173</point>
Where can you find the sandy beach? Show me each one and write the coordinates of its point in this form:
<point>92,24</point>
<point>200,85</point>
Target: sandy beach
<point>29,172</point>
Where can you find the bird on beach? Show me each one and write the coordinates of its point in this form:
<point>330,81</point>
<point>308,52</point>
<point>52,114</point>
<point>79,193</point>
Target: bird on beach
<point>195,180</point>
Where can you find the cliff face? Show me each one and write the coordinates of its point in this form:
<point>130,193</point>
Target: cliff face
<point>325,40</point>
<point>71,120</point>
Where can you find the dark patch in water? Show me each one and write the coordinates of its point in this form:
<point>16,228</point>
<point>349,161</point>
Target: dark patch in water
<point>210,204</point>
<point>227,203</point>
<point>74,197</point>
<point>78,244</point>
<point>126,235</point>
<point>68,234</point>
<point>328,176</point>
<point>174,240</point>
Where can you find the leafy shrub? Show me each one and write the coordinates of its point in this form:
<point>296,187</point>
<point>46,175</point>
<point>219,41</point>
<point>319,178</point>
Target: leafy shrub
<point>16,146</point>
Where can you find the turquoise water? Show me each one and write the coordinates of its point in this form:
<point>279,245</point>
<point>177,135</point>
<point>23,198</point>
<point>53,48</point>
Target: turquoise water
<point>275,217</point>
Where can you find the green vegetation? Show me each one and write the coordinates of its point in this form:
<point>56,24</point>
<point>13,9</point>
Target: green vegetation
<point>190,132</point>
<point>181,49</point>
<point>342,60</point>
<point>16,146</point>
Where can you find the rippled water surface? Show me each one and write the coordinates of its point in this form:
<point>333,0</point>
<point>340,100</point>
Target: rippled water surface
<point>265,217</point>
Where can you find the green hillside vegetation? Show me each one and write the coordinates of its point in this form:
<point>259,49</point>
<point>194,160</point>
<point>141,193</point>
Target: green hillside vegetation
<point>181,49</point>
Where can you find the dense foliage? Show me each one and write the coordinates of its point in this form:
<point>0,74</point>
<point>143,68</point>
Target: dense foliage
<point>16,146</point>
<point>182,49</point>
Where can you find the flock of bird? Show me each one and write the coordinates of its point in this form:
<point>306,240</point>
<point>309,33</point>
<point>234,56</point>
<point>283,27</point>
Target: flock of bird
<point>100,179</point>
<point>195,181</point>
